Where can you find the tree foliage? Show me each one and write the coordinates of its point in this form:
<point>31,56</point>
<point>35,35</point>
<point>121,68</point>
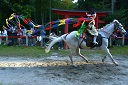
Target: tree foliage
<point>120,9</point>
<point>40,10</point>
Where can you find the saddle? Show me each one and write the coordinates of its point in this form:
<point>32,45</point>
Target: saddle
<point>88,38</point>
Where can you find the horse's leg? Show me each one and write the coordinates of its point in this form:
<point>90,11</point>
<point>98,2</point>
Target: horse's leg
<point>109,54</point>
<point>70,56</point>
<point>52,43</point>
<point>104,58</point>
<point>78,53</point>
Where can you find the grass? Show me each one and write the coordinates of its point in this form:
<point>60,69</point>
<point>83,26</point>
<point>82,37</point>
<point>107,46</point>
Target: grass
<point>37,51</point>
<point>21,51</point>
<point>119,50</point>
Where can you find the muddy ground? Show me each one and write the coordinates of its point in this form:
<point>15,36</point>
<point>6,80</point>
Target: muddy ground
<point>56,70</point>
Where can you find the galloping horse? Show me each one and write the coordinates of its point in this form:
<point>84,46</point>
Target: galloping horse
<point>73,42</point>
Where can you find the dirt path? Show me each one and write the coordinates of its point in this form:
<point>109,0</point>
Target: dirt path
<point>56,70</point>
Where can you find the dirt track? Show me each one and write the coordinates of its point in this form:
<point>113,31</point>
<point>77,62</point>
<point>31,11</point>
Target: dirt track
<point>56,70</point>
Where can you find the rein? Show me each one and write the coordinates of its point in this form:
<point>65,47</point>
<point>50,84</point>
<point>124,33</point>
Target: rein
<point>108,32</point>
<point>65,36</point>
<point>79,43</point>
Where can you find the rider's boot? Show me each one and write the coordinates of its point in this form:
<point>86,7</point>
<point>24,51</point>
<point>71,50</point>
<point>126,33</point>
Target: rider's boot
<point>94,43</point>
<point>94,40</point>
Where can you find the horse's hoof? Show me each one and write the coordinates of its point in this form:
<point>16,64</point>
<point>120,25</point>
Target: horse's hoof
<point>103,60</point>
<point>116,64</point>
<point>86,61</point>
<point>75,66</point>
<point>46,50</point>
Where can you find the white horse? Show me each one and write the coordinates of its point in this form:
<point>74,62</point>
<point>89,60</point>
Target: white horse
<point>73,42</point>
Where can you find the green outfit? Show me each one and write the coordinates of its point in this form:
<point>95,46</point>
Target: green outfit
<point>90,28</point>
<point>82,28</point>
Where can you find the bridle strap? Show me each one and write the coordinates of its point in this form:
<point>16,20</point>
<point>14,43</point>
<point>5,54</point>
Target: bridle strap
<point>108,32</point>
<point>115,26</point>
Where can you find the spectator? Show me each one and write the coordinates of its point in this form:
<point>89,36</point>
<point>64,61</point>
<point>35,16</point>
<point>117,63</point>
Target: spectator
<point>114,36</point>
<point>19,33</point>
<point>24,35</point>
<point>38,37</point>
<point>52,36</point>
<point>30,33</point>
<point>119,38</point>
<point>14,33</point>
<point>4,33</point>
<point>126,38</point>
<point>42,33</point>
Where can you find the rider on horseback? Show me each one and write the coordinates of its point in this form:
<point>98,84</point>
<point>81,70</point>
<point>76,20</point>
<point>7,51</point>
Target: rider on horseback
<point>90,26</point>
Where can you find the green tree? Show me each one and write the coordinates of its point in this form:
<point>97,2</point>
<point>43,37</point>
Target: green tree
<point>43,8</point>
<point>8,7</point>
<point>120,9</point>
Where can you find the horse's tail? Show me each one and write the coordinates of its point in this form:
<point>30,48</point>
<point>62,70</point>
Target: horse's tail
<point>55,40</point>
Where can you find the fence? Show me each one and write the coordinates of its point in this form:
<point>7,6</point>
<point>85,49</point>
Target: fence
<point>21,37</point>
<point>123,39</point>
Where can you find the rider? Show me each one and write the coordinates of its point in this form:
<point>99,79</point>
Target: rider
<point>90,26</point>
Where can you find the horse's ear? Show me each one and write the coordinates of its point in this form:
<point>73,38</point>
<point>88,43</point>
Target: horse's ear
<point>116,21</point>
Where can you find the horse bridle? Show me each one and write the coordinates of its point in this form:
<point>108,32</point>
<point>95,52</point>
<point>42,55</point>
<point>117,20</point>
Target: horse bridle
<point>118,26</point>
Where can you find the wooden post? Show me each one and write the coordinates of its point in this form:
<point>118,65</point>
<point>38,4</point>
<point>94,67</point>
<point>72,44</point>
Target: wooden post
<point>26,40</point>
<point>123,38</point>
<point>0,39</point>
<point>96,22</point>
<point>6,39</point>
<point>66,31</point>
<point>110,41</point>
<point>41,42</point>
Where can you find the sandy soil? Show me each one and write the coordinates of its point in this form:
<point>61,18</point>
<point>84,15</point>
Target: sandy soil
<point>56,70</point>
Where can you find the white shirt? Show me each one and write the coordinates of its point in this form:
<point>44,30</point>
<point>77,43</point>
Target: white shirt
<point>4,33</point>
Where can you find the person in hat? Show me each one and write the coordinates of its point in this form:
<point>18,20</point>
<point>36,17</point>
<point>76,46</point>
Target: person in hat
<point>89,26</point>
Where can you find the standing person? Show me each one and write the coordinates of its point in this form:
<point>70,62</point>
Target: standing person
<point>126,38</point>
<point>60,44</point>
<point>114,36</point>
<point>118,38</point>
<point>43,33</point>
<point>38,36</point>
<point>52,36</point>
<point>24,30</point>
<point>4,33</point>
<point>29,34</point>
<point>14,33</point>
<point>19,33</point>
<point>90,26</point>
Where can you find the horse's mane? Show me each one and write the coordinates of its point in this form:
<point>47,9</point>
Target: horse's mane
<point>111,23</point>
<point>107,25</point>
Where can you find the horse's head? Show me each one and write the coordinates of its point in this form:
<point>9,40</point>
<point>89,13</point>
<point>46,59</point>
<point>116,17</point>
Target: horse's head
<point>119,26</point>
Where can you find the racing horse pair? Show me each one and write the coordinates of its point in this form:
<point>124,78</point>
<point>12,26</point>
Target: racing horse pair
<point>73,42</point>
